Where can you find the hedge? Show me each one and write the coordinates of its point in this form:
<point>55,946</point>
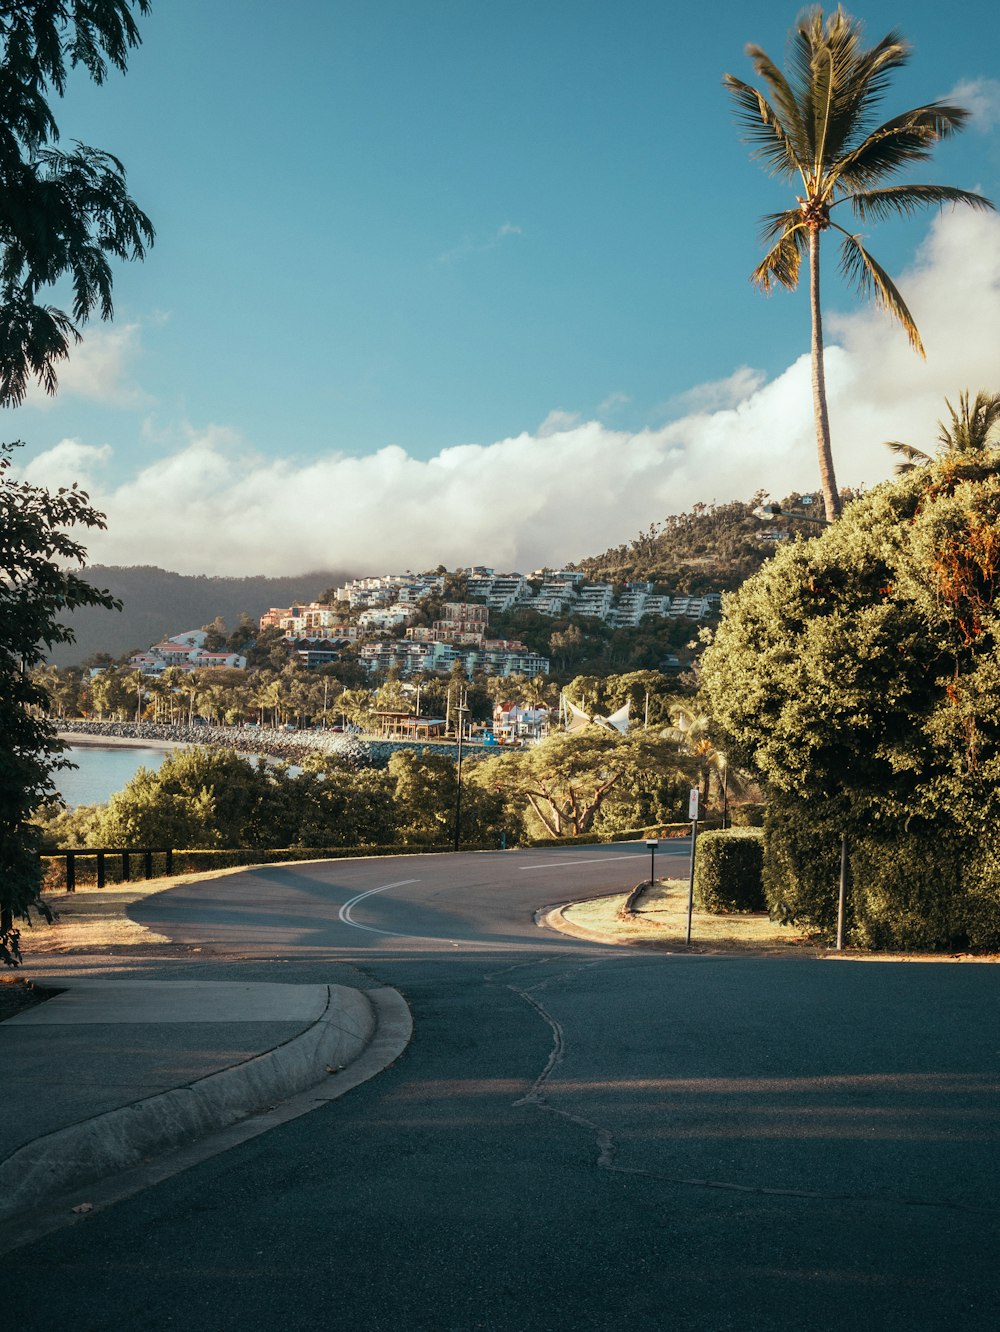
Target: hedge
<point>728,871</point>
<point>922,887</point>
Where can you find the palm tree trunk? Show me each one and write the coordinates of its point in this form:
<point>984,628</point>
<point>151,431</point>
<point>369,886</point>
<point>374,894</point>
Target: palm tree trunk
<point>831,496</point>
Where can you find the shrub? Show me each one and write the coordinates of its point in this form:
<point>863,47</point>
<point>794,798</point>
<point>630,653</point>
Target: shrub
<point>728,871</point>
<point>918,887</point>
<point>750,815</point>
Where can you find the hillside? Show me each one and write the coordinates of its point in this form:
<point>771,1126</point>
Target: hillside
<point>711,549</point>
<point>157,603</point>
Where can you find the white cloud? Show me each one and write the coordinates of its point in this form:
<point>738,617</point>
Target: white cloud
<point>735,388</point>
<point>100,369</point>
<point>557,423</point>
<point>68,461</point>
<point>571,487</point>
<point>469,246</point>
<point>981,97</point>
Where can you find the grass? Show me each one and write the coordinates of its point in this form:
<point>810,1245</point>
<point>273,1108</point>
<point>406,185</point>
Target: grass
<point>661,921</point>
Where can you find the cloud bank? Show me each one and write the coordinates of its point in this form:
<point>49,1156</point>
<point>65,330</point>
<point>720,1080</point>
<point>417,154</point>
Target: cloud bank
<point>571,487</point>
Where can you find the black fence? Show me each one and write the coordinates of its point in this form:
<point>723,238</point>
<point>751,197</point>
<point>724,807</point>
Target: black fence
<point>128,858</point>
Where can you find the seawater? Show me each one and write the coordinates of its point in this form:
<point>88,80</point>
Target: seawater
<point>100,771</point>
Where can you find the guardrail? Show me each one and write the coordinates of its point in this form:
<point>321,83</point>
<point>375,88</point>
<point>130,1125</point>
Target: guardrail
<point>101,853</point>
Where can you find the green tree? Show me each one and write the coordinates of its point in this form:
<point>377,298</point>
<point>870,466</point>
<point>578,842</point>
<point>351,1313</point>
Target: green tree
<point>202,797</point>
<point>335,806</point>
<point>561,785</point>
<point>817,129</point>
<point>37,584</point>
<point>65,214</point>
<point>859,674</point>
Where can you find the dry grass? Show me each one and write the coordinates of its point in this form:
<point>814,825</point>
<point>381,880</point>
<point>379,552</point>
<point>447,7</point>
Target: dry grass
<point>94,918</point>
<point>661,921</point>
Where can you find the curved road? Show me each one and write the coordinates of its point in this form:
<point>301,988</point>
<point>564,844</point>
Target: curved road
<point>578,1137</point>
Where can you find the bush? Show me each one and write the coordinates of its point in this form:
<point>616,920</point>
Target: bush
<point>925,888</point>
<point>728,871</point>
<point>750,815</point>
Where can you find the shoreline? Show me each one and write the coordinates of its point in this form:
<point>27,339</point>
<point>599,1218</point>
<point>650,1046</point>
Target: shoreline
<point>264,741</point>
<point>83,740</point>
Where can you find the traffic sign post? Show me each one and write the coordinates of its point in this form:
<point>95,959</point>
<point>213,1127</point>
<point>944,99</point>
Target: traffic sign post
<point>694,813</point>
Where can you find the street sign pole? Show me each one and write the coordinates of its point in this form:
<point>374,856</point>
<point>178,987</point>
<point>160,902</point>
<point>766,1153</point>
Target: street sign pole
<point>694,812</point>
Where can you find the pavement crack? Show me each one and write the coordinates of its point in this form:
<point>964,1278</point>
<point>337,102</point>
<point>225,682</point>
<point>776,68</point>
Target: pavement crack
<point>536,1095</point>
<point>607,1148</point>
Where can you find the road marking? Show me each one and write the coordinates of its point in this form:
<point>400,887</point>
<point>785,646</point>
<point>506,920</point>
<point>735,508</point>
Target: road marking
<point>561,864</point>
<point>345,911</point>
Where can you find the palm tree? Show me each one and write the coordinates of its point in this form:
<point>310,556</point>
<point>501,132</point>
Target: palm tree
<point>970,431</point>
<point>819,128</point>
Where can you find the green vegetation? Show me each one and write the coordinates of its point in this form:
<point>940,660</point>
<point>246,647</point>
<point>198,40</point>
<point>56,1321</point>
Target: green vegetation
<point>65,213</point>
<point>711,549</point>
<point>729,870</point>
<point>859,674</point>
<point>36,584</point>
<point>816,131</point>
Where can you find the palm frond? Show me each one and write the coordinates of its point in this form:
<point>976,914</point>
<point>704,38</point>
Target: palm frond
<point>906,138</point>
<point>782,262</point>
<point>838,81</point>
<point>894,200</point>
<point>971,427</point>
<point>911,455</point>
<point>870,77</point>
<point>773,225</point>
<point>783,97</point>
<point>763,129</point>
<point>873,281</point>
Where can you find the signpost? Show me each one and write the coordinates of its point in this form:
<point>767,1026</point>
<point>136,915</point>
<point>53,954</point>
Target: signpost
<point>694,813</point>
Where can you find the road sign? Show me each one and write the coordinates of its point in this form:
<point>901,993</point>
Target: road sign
<point>694,802</point>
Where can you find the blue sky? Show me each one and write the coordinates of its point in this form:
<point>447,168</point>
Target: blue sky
<point>467,282</point>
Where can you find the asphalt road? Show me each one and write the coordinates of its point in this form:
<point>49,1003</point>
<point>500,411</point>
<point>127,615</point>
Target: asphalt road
<point>577,1137</point>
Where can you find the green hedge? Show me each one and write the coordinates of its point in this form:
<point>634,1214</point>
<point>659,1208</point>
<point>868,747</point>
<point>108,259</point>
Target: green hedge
<point>922,887</point>
<point>728,871</point>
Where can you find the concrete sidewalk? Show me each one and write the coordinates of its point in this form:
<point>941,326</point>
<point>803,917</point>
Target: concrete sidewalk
<point>112,1073</point>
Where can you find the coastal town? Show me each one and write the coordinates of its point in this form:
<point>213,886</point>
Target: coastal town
<point>382,621</point>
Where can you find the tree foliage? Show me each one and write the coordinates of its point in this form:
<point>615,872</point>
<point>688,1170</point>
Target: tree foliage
<point>37,583</point>
<point>859,673</point>
<point>64,215</point>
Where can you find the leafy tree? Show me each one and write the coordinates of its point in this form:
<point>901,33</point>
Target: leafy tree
<point>859,674</point>
<point>36,585</point>
<point>336,806</point>
<point>562,784</point>
<point>65,214</point>
<point>816,130</point>
<point>425,791</point>
<point>202,797</point>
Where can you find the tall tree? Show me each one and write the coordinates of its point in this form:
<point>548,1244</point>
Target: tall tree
<point>36,585</point>
<point>817,128</point>
<point>63,215</point>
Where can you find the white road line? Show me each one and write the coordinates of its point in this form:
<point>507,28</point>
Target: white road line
<point>561,864</point>
<point>345,911</point>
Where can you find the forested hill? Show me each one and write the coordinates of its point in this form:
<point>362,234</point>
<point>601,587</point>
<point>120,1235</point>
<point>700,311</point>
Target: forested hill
<point>158,603</point>
<point>713,548</point>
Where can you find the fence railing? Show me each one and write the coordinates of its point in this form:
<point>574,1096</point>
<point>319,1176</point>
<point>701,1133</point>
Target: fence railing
<point>145,854</point>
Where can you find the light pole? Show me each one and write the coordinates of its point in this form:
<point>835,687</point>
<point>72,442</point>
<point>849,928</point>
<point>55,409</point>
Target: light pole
<point>652,843</point>
<point>458,783</point>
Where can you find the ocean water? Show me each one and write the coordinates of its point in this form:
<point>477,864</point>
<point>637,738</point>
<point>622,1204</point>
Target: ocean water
<point>101,772</point>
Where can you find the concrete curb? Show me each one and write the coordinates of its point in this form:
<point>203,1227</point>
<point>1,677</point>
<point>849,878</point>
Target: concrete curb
<point>123,1138</point>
